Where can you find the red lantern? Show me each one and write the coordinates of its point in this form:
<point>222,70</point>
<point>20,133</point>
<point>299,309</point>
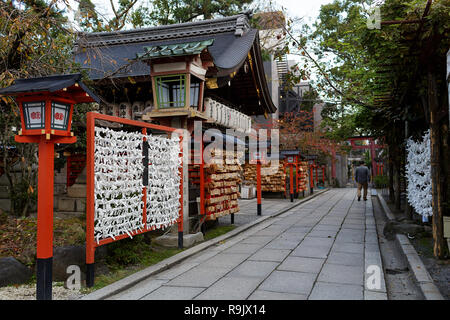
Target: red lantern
<point>46,107</point>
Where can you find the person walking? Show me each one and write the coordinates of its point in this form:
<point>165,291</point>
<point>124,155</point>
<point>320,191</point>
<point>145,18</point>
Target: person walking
<point>362,178</point>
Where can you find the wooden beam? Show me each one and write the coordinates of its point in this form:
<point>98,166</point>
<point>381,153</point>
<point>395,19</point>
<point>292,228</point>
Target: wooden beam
<point>391,22</point>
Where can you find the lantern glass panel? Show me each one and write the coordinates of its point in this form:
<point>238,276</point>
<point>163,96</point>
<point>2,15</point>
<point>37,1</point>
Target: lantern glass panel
<point>34,114</point>
<point>60,116</point>
<point>195,91</point>
<point>171,91</point>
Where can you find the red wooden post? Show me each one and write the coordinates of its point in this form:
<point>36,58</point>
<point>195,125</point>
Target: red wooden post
<point>258,186</point>
<point>44,255</point>
<point>202,181</point>
<point>291,181</point>
<point>180,219</point>
<point>323,175</point>
<point>90,199</point>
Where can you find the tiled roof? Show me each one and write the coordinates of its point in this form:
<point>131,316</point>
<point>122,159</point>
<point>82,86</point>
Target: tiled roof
<point>238,24</point>
<point>116,54</point>
<point>228,52</point>
<point>172,50</point>
<point>49,83</point>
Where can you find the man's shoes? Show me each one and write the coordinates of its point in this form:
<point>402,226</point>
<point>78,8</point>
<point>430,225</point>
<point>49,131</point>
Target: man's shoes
<point>359,198</point>
<point>365,199</point>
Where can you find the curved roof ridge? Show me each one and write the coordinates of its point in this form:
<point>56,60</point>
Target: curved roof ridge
<point>238,23</point>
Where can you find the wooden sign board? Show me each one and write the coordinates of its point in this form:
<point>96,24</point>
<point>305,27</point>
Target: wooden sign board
<point>256,157</point>
<point>447,227</point>
<point>290,159</point>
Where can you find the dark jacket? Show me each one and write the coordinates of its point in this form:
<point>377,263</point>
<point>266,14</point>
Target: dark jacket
<point>362,174</point>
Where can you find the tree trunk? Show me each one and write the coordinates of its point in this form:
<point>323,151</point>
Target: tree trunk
<point>439,248</point>
<point>398,183</point>
<point>391,175</point>
<point>408,208</point>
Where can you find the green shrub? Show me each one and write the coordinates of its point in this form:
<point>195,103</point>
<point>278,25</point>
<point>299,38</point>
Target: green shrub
<point>380,181</point>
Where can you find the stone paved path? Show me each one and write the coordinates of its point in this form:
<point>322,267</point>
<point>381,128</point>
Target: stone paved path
<point>318,250</point>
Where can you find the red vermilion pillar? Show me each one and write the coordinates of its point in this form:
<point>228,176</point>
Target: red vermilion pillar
<point>291,181</point>
<point>372,155</point>
<point>323,175</point>
<point>44,254</point>
<point>90,204</point>
<point>258,187</point>
<point>180,219</point>
<point>317,173</point>
<point>311,179</point>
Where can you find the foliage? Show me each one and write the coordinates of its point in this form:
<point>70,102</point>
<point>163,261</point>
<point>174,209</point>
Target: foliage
<point>393,77</point>
<point>217,231</point>
<point>35,41</point>
<point>18,236</point>
<point>381,181</point>
<point>346,56</point>
<point>339,123</point>
<point>296,131</point>
<point>136,14</point>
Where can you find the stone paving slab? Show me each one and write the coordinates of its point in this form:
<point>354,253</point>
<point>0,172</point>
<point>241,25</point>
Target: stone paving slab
<point>253,269</point>
<point>342,274</point>
<point>311,251</point>
<point>346,258</point>
<point>270,295</point>
<point>348,247</point>
<point>333,291</point>
<point>257,239</point>
<point>174,293</point>
<point>323,233</point>
<point>289,282</point>
<point>136,293</point>
<point>243,248</point>
<point>230,288</point>
<point>302,264</point>
<point>317,250</point>
<point>282,243</point>
<point>265,254</point>
<point>326,227</point>
<point>176,271</point>
<point>199,277</point>
<point>225,260</point>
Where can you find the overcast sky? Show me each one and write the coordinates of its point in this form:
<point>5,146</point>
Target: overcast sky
<point>308,9</point>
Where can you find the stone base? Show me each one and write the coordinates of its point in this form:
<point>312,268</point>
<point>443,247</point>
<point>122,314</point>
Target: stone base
<point>5,204</point>
<point>77,191</point>
<point>171,240</point>
<point>71,204</point>
<point>13,272</point>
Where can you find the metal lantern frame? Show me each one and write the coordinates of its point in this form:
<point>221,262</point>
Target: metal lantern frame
<point>52,107</point>
<point>50,100</point>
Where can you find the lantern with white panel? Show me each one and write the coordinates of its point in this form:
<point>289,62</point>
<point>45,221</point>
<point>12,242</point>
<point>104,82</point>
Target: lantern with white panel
<point>46,107</point>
